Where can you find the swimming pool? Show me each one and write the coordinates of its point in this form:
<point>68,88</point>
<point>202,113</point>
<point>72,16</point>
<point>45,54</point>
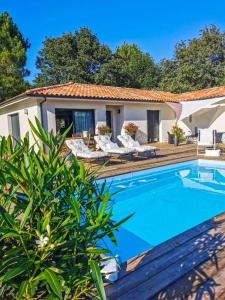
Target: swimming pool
<point>165,201</point>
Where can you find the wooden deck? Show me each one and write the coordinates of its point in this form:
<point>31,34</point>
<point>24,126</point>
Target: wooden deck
<point>188,266</point>
<point>167,154</point>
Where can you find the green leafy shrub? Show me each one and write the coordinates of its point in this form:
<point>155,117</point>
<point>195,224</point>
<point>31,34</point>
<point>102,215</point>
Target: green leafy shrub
<point>178,133</point>
<point>53,216</point>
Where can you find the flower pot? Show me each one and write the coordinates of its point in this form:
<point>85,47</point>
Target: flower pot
<point>85,134</point>
<point>176,141</point>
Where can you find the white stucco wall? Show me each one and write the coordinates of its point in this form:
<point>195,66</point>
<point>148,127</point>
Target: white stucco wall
<point>26,110</point>
<point>137,113</point>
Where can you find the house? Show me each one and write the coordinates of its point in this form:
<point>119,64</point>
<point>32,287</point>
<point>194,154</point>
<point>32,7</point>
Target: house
<point>89,106</point>
<point>203,109</point>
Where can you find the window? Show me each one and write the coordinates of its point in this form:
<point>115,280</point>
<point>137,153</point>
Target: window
<point>15,126</point>
<point>83,120</point>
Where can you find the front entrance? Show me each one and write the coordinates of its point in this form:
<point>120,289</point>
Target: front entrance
<point>109,119</point>
<point>153,125</point>
<point>114,119</point>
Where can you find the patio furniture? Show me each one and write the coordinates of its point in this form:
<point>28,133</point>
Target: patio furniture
<point>212,152</point>
<point>170,138</point>
<point>223,138</point>
<point>103,142</point>
<point>128,142</point>
<point>79,149</point>
<point>206,139</point>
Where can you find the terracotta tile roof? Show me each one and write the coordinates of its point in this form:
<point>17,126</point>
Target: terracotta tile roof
<point>91,91</point>
<point>214,92</point>
<point>101,92</point>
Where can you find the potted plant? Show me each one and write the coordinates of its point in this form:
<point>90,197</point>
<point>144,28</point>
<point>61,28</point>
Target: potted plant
<point>178,134</point>
<point>131,129</point>
<point>104,130</point>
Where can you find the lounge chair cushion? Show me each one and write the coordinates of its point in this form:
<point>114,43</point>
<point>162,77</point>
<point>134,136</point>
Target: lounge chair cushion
<point>79,149</point>
<point>127,141</point>
<point>108,146</point>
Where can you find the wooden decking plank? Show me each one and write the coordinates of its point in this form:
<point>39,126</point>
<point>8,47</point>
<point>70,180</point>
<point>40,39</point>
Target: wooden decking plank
<point>153,285</point>
<point>121,169</point>
<point>151,268</point>
<point>137,262</point>
<point>209,276</point>
<point>167,154</point>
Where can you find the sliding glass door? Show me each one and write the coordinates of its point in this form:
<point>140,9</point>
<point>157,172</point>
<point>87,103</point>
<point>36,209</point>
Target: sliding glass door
<point>83,120</point>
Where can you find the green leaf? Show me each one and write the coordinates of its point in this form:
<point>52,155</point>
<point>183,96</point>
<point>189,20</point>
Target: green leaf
<point>36,131</point>
<point>26,214</point>
<point>9,235</point>
<point>104,206</point>
<point>41,130</point>
<point>46,221</point>
<point>53,282</point>
<point>82,171</point>
<point>97,277</point>
<point>22,289</point>
<point>12,273</point>
<point>98,251</point>
<point>75,208</point>
<point>7,217</point>
<point>118,224</point>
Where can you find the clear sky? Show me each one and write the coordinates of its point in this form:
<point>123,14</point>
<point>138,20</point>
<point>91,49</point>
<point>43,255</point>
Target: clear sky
<point>156,26</point>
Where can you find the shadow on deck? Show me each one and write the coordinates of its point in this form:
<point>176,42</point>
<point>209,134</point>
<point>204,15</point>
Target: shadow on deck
<point>188,266</point>
<point>167,154</point>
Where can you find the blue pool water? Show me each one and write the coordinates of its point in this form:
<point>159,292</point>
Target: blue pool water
<point>165,201</point>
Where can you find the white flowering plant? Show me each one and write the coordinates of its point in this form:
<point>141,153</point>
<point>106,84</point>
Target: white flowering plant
<point>53,217</point>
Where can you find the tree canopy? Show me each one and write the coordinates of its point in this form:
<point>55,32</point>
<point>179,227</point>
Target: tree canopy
<point>13,47</point>
<point>80,57</point>
<point>129,67</point>
<point>75,57</point>
<point>198,63</point>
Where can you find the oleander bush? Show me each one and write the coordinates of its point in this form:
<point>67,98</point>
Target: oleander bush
<point>53,217</point>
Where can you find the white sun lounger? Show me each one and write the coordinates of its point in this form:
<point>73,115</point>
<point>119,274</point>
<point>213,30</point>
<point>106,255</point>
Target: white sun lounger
<point>104,143</point>
<point>128,142</point>
<point>206,139</point>
<point>79,149</point>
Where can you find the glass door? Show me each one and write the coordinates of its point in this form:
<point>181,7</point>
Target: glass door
<point>83,120</point>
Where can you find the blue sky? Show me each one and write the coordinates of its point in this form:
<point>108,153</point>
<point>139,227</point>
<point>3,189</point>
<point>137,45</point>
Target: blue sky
<point>156,26</point>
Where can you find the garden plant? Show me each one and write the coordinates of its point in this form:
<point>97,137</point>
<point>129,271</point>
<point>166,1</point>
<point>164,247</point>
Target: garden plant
<point>53,217</point>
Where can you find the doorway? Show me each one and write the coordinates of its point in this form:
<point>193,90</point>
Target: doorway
<point>153,125</point>
<point>109,119</point>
